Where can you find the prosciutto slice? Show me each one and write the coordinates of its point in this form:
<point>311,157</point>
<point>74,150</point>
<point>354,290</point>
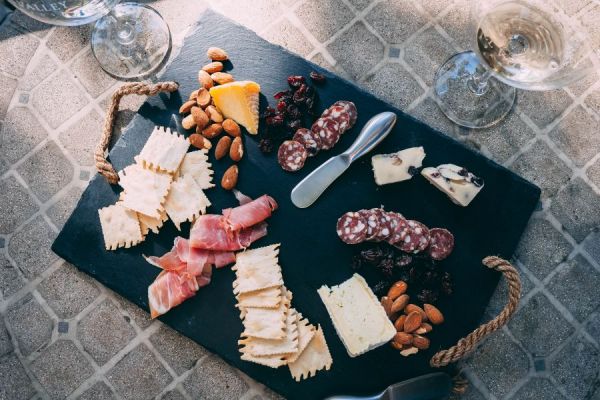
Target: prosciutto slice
<point>210,232</point>
<point>250,213</point>
<point>169,290</point>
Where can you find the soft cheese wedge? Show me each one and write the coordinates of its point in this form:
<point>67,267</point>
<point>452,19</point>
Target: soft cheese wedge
<point>238,101</point>
<point>358,317</point>
<point>399,166</point>
<point>460,185</point>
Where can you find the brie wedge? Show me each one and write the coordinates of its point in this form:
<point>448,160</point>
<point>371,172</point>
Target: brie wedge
<point>397,167</point>
<point>458,183</point>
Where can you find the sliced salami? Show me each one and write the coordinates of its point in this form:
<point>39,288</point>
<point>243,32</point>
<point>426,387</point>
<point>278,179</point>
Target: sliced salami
<point>291,155</point>
<point>372,223</point>
<point>339,113</point>
<point>385,225</point>
<point>441,243</point>
<point>328,131</point>
<point>309,140</point>
<point>417,238</point>
<point>350,109</point>
<point>352,228</point>
<point>402,229</point>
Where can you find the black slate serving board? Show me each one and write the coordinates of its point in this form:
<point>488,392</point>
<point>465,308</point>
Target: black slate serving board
<point>311,254</point>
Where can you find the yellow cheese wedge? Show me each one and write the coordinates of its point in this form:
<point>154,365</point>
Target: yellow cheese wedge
<point>238,101</point>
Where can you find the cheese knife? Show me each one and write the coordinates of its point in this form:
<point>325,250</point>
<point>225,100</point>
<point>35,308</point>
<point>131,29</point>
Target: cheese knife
<point>310,188</point>
<point>434,386</point>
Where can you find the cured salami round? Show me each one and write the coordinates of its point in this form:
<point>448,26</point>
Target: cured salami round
<point>417,238</point>
<point>385,225</point>
<point>328,131</point>
<point>309,140</point>
<point>352,228</point>
<point>350,109</point>
<point>441,243</point>
<point>372,222</point>
<point>340,114</point>
<point>291,155</point>
<point>400,231</point>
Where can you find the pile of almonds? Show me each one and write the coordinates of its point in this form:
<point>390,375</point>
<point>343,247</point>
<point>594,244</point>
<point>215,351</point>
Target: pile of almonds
<point>208,121</point>
<point>411,321</point>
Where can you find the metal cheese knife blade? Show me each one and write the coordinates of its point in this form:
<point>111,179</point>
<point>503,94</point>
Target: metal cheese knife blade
<point>310,188</point>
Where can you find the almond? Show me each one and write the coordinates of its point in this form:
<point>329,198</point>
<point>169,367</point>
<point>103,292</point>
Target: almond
<point>200,141</point>
<point>230,178</point>
<point>403,338</point>
<point>434,315</point>
<point>412,322</point>
<point>413,307</point>
<point>409,351</point>
<point>213,67</point>
<point>187,106</point>
<point>386,303</point>
<point>397,289</point>
<point>200,117</point>
<point>396,345</point>
<point>188,122</point>
<point>216,54</point>
<point>420,342</point>
<point>193,95</point>
<point>222,77</point>
<point>236,152</point>
<point>424,328</point>
<point>400,303</point>
<point>222,147</point>
<point>212,131</point>
<point>203,98</point>
<point>204,79</point>
<point>232,128</point>
<point>399,324</point>
<point>214,114</point>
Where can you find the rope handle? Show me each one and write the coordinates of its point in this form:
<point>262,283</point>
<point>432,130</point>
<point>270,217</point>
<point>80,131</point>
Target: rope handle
<point>103,166</point>
<point>467,344</point>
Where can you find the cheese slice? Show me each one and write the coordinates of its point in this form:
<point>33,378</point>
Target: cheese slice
<point>358,317</point>
<point>459,184</point>
<point>238,101</point>
<point>397,167</point>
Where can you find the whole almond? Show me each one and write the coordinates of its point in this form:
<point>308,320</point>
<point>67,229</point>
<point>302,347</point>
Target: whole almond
<point>403,338</point>
<point>212,131</point>
<point>222,77</point>
<point>424,328</point>
<point>236,152</point>
<point>188,122</point>
<point>399,324</point>
<point>199,141</point>
<point>413,307</point>
<point>187,106</point>
<point>230,178</point>
<point>215,66</point>
<point>232,128</point>
<point>412,322</point>
<point>214,114</point>
<point>409,351</point>
<point>400,303</point>
<point>434,315</point>
<point>222,147</point>
<point>420,342</point>
<point>216,54</point>
<point>396,345</point>
<point>397,290</point>
<point>203,98</point>
<point>204,79</point>
<point>193,95</point>
<point>200,117</point>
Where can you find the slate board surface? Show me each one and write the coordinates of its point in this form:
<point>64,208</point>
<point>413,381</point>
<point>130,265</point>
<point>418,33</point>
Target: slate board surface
<point>311,254</point>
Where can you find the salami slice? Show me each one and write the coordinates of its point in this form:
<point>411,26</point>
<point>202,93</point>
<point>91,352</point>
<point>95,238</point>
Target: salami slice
<point>350,109</point>
<point>291,155</point>
<point>309,140</point>
<point>372,223</point>
<point>340,114</point>
<point>385,225</point>
<point>328,131</point>
<point>417,238</point>
<point>352,228</point>
<point>400,231</point>
<point>441,243</point>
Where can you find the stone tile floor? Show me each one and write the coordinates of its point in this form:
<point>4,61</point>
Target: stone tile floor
<point>62,335</point>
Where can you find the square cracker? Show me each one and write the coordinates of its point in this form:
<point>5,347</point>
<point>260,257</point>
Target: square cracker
<point>306,332</point>
<point>148,224</point>
<point>196,165</point>
<point>266,323</point>
<point>315,357</point>
<point>274,361</point>
<point>120,227</point>
<point>145,190</point>
<point>264,298</point>
<point>185,201</point>
<point>267,347</point>
<point>164,150</point>
<point>257,269</point>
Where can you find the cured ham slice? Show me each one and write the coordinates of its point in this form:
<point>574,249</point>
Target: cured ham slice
<point>250,213</point>
<point>169,290</point>
<point>209,232</point>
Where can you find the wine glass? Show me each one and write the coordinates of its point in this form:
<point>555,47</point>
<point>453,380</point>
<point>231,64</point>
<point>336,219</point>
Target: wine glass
<point>129,40</point>
<point>526,44</point>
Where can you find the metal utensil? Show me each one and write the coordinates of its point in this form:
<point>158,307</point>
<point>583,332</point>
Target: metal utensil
<point>310,188</point>
<point>434,386</point>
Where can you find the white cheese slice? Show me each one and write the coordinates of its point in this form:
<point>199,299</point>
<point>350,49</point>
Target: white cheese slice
<point>397,167</point>
<point>358,317</point>
<point>459,184</point>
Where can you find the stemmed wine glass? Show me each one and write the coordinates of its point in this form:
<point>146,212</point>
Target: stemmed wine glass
<point>129,40</point>
<point>526,44</point>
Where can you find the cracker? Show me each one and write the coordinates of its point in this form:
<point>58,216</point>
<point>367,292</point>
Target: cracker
<point>185,201</point>
<point>145,190</point>
<point>306,331</point>
<point>267,347</point>
<point>148,224</point>
<point>266,323</point>
<point>274,361</point>
<point>164,150</point>
<point>264,298</point>
<point>196,165</point>
<point>315,357</point>
<point>120,227</point>
<point>257,269</point>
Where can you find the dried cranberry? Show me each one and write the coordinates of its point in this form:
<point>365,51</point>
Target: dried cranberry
<point>295,81</point>
<point>477,181</point>
<point>317,77</point>
<point>428,296</point>
<point>309,103</point>
<point>435,175</point>
<point>412,171</point>
<point>266,145</point>
<point>381,288</point>
<point>282,94</point>
<point>294,125</point>
<point>403,260</point>
<point>373,255</point>
<point>386,266</point>
<point>463,172</point>
<point>293,112</point>
<point>275,120</point>
<point>269,111</point>
<point>282,106</point>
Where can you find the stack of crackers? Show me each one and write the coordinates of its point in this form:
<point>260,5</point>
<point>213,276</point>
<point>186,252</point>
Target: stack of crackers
<point>165,182</point>
<point>275,334</point>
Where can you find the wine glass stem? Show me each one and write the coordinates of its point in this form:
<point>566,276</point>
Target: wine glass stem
<point>478,83</point>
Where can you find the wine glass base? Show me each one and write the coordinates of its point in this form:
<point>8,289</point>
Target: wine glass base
<point>453,89</point>
<point>131,42</point>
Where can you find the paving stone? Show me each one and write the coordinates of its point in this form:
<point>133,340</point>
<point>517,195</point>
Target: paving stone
<point>426,53</point>
<point>592,326</point>
<point>324,18</point>
<point>140,317</point>
<point>65,42</point>
<point>429,112</point>
<point>150,378</point>
<point>214,379</point>
<point>61,368</point>
<point>499,363</point>
<point>538,388</point>
<point>593,100</point>
<point>30,247</point>
<point>58,98</point>
<point>577,137</point>
<point>46,171</point>
<point>87,70</point>
<point>20,133</point>
<point>256,14</point>
<point>78,142</point>
<point>542,247</point>
<point>458,24</point>
<point>8,86</point>
<point>179,18</point>
<point>173,395</point>
<point>322,62</point>
<point>15,205</point>
<point>395,20</point>
<point>6,345</point>
<point>10,281</point>
<point>16,49</point>
<point>360,4</point>
<point>60,211</point>
<point>357,50</point>
<point>68,291</point>
<point>542,166</point>
<point>100,391</point>
<point>539,326</point>
<point>37,71</point>
<point>393,84</point>
<point>576,366</point>
<point>500,297</point>
<point>38,28</point>
<point>543,107</point>
<point>268,394</point>
<point>285,34</point>
<point>576,207</point>
<point>16,385</point>
<point>472,393</point>
<point>30,325</point>
<point>434,7</point>
<point>576,286</point>
<point>592,245</point>
<point>180,352</point>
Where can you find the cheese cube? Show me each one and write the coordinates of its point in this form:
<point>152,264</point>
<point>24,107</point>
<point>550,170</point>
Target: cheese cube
<point>459,184</point>
<point>397,167</point>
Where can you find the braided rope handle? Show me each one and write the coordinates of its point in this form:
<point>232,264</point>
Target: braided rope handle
<point>103,166</point>
<point>467,344</point>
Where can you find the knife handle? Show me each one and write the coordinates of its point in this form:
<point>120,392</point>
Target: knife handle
<point>374,131</point>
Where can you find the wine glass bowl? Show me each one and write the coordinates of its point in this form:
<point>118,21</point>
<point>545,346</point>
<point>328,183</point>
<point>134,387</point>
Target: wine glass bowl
<point>65,12</point>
